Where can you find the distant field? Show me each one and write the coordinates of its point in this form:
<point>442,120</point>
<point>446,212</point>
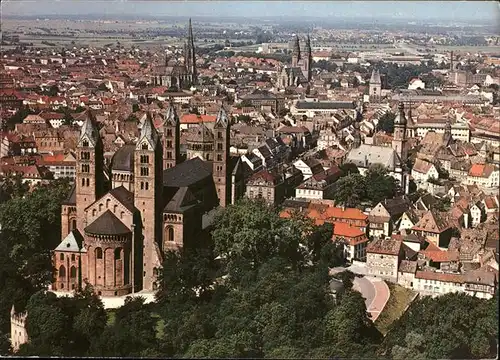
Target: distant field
<point>488,49</point>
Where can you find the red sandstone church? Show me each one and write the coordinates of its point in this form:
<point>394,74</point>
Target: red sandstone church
<point>119,220</point>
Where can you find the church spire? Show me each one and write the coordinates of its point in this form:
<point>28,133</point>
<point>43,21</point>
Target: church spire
<point>148,133</point>
<point>88,130</point>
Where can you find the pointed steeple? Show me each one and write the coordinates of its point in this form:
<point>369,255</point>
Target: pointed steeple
<point>148,133</point>
<point>222,120</point>
<point>172,118</point>
<point>190,32</point>
<point>375,78</point>
<point>89,131</point>
<point>308,45</point>
<point>296,47</point>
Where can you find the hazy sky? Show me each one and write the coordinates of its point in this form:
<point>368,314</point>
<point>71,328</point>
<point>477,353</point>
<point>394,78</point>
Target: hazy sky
<point>421,10</point>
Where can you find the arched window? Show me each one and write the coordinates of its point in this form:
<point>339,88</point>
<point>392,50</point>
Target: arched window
<point>107,203</point>
<point>61,256</point>
<point>98,253</point>
<point>144,146</point>
<point>114,208</point>
<point>118,253</point>
<point>83,182</point>
<point>170,233</point>
<point>85,143</point>
<point>94,212</point>
<point>147,185</point>
<point>72,272</point>
<point>88,182</point>
<point>100,207</point>
<point>121,215</point>
<point>62,271</point>
<point>73,224</point>
<point>72,257</point>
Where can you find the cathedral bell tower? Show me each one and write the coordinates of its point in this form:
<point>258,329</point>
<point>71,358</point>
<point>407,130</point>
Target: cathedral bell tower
<point>171,138</point>
<point>308,59</point>
<point>221,174</point>
<point>399,145</point>
<point>89,180</point>
<point>148,177</point>
<point>296,52</point>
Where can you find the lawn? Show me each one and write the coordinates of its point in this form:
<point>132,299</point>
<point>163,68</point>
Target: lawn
<point>398,301</point>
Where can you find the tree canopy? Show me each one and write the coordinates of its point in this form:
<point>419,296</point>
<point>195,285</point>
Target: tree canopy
<point>376,185</point>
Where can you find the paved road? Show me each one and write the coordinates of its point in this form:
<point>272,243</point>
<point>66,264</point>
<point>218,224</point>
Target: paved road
<point>366,288</point>
<point>374,290</point>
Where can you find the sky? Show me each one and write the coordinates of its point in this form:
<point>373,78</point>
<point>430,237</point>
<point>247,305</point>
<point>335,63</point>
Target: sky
<point>418,10</point>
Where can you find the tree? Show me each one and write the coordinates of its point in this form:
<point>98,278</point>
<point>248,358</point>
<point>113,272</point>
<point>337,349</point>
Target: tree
<point>348,168</point>
<point>349,190</point>
<point>386,122</point>
<point>135,107</point>
<point>379,184</point>
<point>30,230</point>
<point>455,326</point>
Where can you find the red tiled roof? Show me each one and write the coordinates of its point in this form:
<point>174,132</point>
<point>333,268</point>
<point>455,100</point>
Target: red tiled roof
<point>481,170</point>
<point>429,275</point>
<point>197,119</point>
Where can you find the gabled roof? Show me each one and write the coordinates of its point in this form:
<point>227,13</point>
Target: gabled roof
<point>187,173</point>
<point>181,201</point>
<point>71,199</point>
<point>171,119</point>
<point>125,197</point>
<point>107,224</point>
<point>71,243</point>
<point>432,222</point>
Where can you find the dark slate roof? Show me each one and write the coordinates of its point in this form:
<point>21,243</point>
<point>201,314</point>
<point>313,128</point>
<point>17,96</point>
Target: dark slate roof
<point>326,105</point>
<point>181,201</point>
<point>123,196</point>
<point>264,150</point>
<point>71,199</point>
<point>123,159</point>
<point>107,224</point>
<point>187,173</point>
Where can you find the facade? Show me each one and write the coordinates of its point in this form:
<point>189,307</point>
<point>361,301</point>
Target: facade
<point>266,185</point>
<point>354,239</point>
<point>114,233</point>
<point>179,75</point>
<point>383,257</point>
<point>485,175</point>
<point>18,333</point>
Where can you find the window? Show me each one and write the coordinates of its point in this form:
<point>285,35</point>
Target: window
<point>219,135</point>
<point>219,146</point>
<point>73,224</point>
<point>72,272</point>
<point>62,271</point>
<point>169,155</point>
<point>144,171</point>
<point>83,182</point>
<point>94,212</point>
<point>118,253</point>
<point>144,146</point>
<point>107,203</point>
<point>100,207</point>
<point>61,256</point>
<point>85,168</point>
<point>169,233</point>
<point>142,185</point>
<point>169,132</point>
<point>147,185</point>
<point>88,182</point>
<point>85,143</point>
<point>169,143</point>
<point>114,208</point>
<point>72,257</point>
<point>144,159</point>
<point>85,155</point>
<point>219,157</point>
<point>98,253</point>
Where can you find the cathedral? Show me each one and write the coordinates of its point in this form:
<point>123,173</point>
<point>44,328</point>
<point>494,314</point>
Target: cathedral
<point>299,73</point>
<point>120,219</point>
<point>176,74</point>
